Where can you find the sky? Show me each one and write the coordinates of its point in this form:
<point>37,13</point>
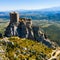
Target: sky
<point>27,4</point>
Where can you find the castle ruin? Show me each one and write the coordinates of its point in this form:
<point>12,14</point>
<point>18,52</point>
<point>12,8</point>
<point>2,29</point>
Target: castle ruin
<point>23,28</point>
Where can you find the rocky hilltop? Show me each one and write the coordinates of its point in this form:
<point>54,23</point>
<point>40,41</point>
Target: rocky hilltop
<point>15,48</point>
<point>24,28</point>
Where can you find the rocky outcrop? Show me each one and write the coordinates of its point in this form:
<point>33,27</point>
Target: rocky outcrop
<point>11,30</point>
<point>25,29</point>
<point>21,30</point>
<point>55,55</point>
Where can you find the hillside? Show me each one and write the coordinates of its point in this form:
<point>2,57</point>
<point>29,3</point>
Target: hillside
<point>15,48</point>
<point>50,28</point>
<point>53,31</point>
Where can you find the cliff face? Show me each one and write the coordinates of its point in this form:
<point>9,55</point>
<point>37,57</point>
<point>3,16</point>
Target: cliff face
<point>22,29</point>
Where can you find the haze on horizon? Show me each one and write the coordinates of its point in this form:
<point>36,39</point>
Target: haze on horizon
<point>6,5</point>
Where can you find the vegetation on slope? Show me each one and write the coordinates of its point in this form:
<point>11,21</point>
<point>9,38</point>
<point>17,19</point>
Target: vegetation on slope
<point>3,25</point>
<point>50,28</point>
<point>24,49</point>
<point>53,33</point>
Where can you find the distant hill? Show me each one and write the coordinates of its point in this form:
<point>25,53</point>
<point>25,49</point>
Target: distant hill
<point>52,9</point>
<point>43,14</point>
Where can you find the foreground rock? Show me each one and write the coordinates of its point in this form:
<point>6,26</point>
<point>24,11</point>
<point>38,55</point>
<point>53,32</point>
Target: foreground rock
<point>15,48</point>
<point>55,54</point>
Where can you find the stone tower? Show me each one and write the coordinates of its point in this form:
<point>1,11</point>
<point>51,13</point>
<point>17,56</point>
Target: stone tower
<point>14,17</point>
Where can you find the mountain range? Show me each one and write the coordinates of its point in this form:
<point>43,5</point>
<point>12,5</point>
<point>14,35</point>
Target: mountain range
<point>40,14</point>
